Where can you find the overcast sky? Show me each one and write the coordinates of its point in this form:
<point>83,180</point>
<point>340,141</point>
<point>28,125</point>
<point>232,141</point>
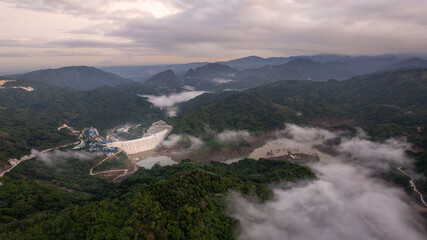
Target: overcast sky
<point>54,33</point>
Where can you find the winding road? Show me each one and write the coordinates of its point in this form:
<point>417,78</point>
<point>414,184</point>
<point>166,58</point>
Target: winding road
<point>413,186</point>
<point>91,170</point>
<point>125,171</point>
<point>31,156</point>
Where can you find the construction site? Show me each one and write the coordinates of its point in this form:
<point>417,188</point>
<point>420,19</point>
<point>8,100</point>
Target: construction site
<point>130,152</point>
<point>150,140</point>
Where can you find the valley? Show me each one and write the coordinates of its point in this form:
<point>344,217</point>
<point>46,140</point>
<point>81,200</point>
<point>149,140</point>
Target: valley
<point>213,120</point>
<point>180,146</point>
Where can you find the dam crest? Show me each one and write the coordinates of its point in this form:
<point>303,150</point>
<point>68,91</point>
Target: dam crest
<point>157,132</point>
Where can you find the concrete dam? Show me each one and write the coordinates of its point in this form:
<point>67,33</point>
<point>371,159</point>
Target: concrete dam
<point>150,140</point>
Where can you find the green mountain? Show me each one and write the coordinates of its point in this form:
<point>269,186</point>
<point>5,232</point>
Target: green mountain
<point>79,77</point>
<point>386,104</point>
<point>30,119</point>
<point>374,101</point>
<point>211,70</point>
<point>187,200</point>
<point>208,76</point>
<point>166,79</point>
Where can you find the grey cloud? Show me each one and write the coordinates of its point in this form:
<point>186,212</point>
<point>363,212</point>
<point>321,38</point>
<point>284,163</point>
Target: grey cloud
<point>13,55</point>
<point>74,7</point>
<point>20,43</point>
<point>78,43</point>
<point>243,25</point>
<point>208,28</point>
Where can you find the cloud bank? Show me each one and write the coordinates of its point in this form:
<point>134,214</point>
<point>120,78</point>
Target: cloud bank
<point>173,99</point>
<point>169,102</point>
<point>57,157</point>
<point>181,145</point>
<point>345,202</point>
<point>229,136</point>
<point>148,31</point>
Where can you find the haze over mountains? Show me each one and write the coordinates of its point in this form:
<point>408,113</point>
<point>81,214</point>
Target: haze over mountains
<point>408,63</point>
<point>215,120</point>
<point>209,127</point>
<point>78,77</point>
<point>359,64</point>
<point>234,74</point>
<point>220,76</point>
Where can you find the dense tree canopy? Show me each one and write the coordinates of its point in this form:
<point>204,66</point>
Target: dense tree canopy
<point>184,201</point>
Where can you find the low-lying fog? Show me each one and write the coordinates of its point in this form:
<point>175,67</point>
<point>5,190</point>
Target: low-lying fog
<point>346,201</point>
<point>56,156</point>
<point>169,102</point>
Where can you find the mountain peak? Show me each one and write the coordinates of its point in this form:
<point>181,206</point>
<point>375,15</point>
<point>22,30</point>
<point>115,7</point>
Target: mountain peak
<point>166,78</point>
<point>210,70</point>
<point>78,77</point>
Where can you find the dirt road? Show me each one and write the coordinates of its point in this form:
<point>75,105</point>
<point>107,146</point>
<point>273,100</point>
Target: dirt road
<point>31,156</point>
<point>413,186</point>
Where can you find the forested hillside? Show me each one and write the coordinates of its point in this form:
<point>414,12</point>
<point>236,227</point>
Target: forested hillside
<point>184,201</point>
<point>30,119</point>
<point>77,77</point>
<point>385,104</point>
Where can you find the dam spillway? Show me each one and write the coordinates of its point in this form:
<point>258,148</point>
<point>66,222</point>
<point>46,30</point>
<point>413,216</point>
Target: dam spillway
<point>153,137</point>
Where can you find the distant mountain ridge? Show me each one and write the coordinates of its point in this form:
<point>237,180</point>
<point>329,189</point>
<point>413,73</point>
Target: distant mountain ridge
<point>408,63</point>
<point>359,64</point>
<point>144,72</point>
<point>254,62</point>
<point>77,77</point>
<point>219,76</point>
<point>211,70</point>
<point>238,73</point>
<point>384,103</point>
<point>302,69</point>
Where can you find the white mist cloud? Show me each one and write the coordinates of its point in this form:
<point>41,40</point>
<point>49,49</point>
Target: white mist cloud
<point>173,99</point>
<point>54,157</point>
<point>229,136</point>
<point>181,145</point>
<point>346,202</point>
<point>172,141</point>
<point>306,134</point>
<point>343,206</point>
<point>169,102</point>
<point>376,155</point>
<point>221,80</point>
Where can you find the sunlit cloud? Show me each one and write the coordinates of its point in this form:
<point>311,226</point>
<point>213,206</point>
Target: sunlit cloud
<point>208,29</point>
